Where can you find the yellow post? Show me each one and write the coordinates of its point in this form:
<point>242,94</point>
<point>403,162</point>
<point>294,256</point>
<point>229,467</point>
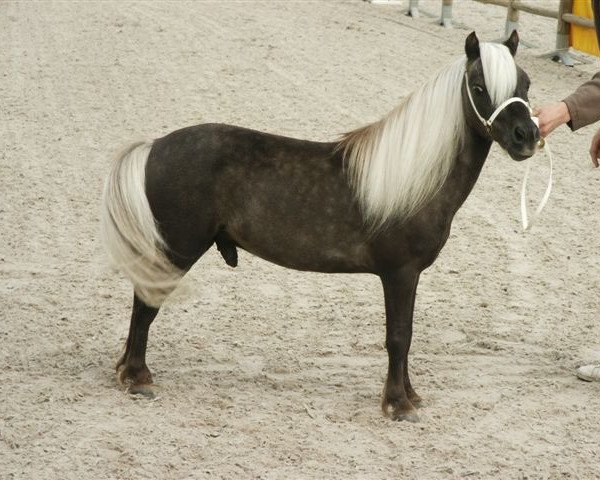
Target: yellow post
<point>582,38</point>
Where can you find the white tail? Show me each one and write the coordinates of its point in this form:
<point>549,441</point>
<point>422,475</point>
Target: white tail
<point>129,231</point>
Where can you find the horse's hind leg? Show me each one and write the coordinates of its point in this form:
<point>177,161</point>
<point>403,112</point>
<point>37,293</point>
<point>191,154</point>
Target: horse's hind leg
<point>132,370</point>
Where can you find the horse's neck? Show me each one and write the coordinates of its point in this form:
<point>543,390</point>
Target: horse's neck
<point>465,171</point>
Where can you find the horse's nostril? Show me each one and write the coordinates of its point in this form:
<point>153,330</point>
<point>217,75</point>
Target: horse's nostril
<point>519,134</point>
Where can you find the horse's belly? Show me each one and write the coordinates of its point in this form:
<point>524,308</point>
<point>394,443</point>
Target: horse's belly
<point>329,249</point>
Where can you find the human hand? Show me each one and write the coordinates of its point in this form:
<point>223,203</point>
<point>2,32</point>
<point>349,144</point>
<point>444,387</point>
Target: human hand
<point>595,148</point>
<point>551,116</point>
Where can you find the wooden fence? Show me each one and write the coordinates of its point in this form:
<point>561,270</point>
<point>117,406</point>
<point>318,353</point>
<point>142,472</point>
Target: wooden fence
<point>564,17</point>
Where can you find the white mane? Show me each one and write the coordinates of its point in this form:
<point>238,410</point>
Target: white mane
<point>398,163</point>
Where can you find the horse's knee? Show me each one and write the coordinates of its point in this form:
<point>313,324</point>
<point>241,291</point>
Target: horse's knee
<point>397,345</point>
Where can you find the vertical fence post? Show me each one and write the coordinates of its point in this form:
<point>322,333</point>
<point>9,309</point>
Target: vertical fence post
<point>512,19</point>
<point>563,28</point>
<point>446,20</point>
<point>413,8</point>
<point>561,53</point>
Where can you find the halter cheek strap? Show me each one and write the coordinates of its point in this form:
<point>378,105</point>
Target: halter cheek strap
<point>488,123</point>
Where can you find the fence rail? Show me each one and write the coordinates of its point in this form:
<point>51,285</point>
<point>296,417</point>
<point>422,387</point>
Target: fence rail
<point>564,17</point>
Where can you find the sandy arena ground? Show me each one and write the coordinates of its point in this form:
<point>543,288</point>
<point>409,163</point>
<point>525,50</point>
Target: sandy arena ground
<point>264,372</point>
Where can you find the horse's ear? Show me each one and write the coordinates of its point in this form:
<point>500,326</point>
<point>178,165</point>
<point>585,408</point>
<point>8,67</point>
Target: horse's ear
<point>512,42</point>
<point>472,47</point>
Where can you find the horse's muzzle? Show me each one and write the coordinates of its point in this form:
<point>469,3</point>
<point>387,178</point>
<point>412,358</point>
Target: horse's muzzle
<point>524,140</point>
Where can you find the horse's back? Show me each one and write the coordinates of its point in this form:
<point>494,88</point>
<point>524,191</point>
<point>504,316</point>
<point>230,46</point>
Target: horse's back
<point>284,199</point>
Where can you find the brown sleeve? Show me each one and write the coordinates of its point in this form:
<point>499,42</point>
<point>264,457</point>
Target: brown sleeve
<point>584,104</point>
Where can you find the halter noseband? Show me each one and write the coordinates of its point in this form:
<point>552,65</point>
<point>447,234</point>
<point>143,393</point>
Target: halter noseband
<point>541,144</point>
<point>488,123</point>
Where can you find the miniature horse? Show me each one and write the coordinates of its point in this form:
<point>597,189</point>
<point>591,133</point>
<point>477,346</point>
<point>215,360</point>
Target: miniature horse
<point>380,200</point>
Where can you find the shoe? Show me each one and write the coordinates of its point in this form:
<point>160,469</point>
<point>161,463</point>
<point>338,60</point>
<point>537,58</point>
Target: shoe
<point>589,373</point>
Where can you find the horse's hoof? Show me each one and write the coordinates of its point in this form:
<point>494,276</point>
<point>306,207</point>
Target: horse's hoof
<point>127,375</point>
<point>411,417</point>
<point>400,411</point>
<point>144,390</point>
<point>137,381</point>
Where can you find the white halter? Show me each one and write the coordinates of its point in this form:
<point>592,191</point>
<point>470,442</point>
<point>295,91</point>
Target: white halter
<point>488,123</point>
<point>542,143</point>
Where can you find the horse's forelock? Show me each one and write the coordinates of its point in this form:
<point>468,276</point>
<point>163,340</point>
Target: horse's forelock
<point>499,71</point>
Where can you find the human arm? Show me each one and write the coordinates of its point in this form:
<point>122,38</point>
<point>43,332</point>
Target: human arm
<point>579,109</point>
<point>595,148</point>
<point>584,104</point>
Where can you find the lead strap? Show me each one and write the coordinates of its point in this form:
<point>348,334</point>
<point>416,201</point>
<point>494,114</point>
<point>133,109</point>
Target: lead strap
<point>542,145</point>
<point>524,217</point>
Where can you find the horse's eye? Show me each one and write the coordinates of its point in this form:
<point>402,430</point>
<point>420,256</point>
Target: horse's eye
<point>478,89</point>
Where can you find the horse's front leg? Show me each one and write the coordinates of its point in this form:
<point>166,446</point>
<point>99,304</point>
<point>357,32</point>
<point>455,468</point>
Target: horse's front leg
<point>399,289</point>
